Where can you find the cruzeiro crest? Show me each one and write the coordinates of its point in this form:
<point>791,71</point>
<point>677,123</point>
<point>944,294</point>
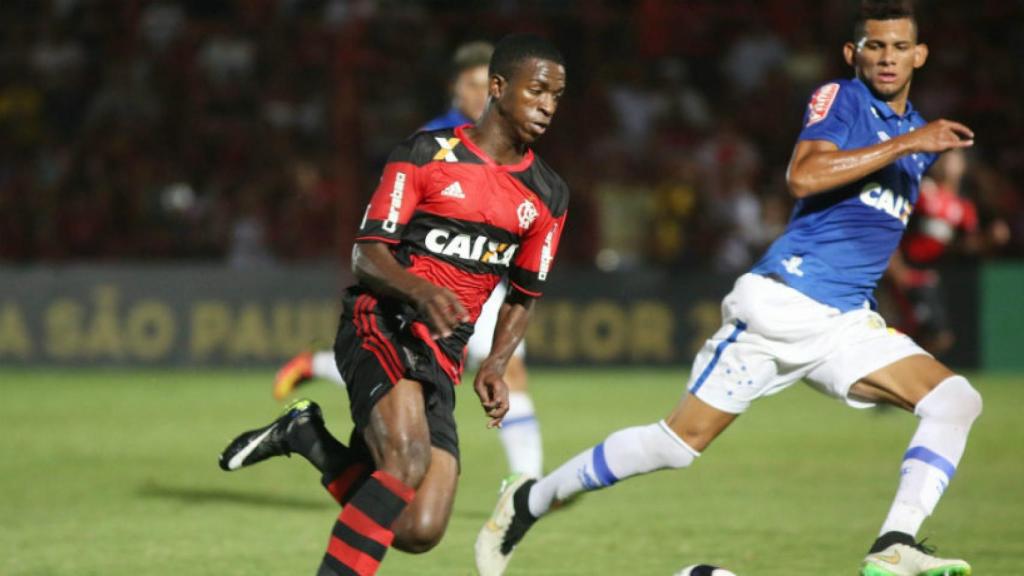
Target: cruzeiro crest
<point>527,213</point>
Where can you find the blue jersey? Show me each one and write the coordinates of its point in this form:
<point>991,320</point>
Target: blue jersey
<point>450,119</point>
<point>838,243</point>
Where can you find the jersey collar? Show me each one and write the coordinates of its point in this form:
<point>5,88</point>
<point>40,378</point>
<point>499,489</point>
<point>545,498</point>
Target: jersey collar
<point>517,167</point>
<point>881,107</point>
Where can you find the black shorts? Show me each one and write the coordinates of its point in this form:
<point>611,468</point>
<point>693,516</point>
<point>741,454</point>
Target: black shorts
<point>374,349</point>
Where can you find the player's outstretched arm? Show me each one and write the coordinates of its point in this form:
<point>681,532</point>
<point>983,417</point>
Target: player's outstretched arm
<point>375,266</point>
<point>513,318</point>
<point>818,165</point>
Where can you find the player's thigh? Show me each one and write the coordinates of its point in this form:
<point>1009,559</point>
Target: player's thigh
<point>398,434</point>
<point>903,383</point>
<point>422,524</point>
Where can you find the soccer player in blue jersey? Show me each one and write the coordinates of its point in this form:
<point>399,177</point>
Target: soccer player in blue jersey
<point>806,311</point>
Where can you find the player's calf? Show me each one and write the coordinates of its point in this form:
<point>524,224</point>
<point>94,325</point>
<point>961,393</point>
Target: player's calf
<point>929,464</point>
<point>624,453</point>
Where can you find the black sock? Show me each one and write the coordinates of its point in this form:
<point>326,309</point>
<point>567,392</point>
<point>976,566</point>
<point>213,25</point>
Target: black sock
<point>521,502</point>
<point>890,538</point>
<point>310,439</point>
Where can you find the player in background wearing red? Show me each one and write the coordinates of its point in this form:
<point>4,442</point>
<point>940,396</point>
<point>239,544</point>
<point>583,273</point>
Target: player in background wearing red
<point>520,432</point>
<point>456,211</point>
<point>943,219</point>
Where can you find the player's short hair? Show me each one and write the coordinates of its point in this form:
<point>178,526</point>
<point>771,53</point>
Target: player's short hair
<point>882,10</point>
<point>471,55</point>
<point>513,49</point>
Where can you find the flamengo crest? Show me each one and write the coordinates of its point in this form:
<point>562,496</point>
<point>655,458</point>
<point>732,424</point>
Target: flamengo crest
<point>527,213</point>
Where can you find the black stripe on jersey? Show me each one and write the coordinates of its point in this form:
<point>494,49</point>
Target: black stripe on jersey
<point>423,148</point>
<point>471,246</point>
<point>547,184</point>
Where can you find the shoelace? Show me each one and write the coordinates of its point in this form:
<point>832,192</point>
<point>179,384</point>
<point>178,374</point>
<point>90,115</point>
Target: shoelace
<point>927,549</point>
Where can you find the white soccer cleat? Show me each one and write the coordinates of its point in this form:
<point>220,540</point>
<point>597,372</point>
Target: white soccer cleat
<point>503,530</point>
<point>911,560</point>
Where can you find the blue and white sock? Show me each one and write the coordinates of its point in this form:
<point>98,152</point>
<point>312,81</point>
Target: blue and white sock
<point>625,453</point>
<point>947,413</point>
<point>520,434</point>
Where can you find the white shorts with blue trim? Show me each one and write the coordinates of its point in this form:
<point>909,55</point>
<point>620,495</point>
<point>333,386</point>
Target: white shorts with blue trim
<point>772,336</point>
<point>479,345</point>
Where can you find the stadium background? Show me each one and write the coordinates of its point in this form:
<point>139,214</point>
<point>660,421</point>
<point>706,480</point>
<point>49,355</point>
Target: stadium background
<point>180,182</point>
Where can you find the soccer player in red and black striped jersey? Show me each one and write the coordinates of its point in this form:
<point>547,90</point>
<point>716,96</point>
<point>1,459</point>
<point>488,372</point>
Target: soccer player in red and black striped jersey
<point>456,211</point>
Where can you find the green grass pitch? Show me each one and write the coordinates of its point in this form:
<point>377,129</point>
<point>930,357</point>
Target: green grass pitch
<point>114,473</point>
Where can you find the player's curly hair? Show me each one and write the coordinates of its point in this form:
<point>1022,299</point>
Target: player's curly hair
<point>882,10</point>
<point>513,49</point>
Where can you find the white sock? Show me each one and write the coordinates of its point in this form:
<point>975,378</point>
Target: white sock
<point>520,434</point>
<point>325,367</point>
<point>625,453</point>
<point>946,413</point>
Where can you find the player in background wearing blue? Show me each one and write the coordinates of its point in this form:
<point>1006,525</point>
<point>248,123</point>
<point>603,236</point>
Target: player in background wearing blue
<point>805,311</point>
<point>520,431</point>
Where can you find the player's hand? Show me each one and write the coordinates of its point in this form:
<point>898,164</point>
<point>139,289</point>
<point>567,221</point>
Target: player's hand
<point>493,392</point>
<point>441,309</point>
<point>941,135</point>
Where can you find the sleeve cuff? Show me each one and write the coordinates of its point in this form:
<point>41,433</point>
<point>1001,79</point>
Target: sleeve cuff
<point>384,239</point>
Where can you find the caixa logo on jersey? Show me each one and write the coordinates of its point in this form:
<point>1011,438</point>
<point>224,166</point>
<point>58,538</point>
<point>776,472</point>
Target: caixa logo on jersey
<point>477,248</point>
<point>883,199</point>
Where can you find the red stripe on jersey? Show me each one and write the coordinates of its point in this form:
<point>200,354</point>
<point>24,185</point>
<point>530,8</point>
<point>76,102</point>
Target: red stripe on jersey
<point>472,290</point>
<point>361,563</point>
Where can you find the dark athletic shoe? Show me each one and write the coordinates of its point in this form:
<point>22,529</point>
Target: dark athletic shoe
<point>271,440</point>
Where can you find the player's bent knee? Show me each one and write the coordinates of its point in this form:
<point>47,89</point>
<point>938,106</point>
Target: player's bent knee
<point>644,449</point>
<point>954,400</point>
<point>419,536</point>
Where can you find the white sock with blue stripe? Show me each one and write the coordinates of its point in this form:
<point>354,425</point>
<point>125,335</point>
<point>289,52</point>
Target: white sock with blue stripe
<point>625,453</point>
<point>520,434</point>
<point>946,413</point>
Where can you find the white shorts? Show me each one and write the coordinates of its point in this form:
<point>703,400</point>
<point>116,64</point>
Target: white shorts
<point>483,333</point>
<point>773,335</point>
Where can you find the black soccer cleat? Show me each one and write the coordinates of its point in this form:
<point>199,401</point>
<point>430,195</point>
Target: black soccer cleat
<point>271,440</point>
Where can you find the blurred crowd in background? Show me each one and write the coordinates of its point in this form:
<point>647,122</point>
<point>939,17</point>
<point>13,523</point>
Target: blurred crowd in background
<point>253,131</point>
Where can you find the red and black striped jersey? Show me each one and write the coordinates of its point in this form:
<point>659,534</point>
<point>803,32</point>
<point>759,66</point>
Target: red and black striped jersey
<point>462,221</point>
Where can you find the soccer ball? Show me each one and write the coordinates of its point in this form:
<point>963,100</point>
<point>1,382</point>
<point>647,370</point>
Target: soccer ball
<point>703,570</point>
